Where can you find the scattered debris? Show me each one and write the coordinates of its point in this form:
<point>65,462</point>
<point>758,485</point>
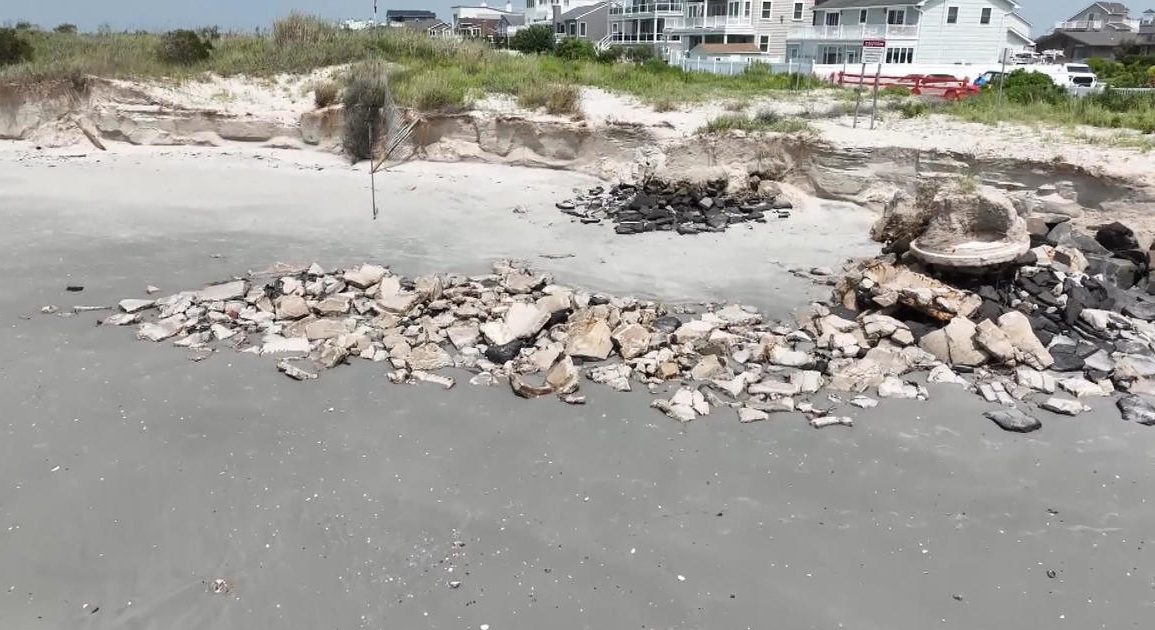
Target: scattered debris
<point>679,207</point>
<point>1023,329</point>
<point>295,372</point>
<point>1014,420</point>
<point>829,421</point>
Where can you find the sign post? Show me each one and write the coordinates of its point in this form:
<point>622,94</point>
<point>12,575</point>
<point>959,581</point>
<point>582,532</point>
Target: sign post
<point>872,50</point>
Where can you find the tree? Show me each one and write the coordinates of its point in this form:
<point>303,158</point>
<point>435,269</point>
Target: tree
<point>574,48</point>
<point>536,39</point>
<point>66,28</point>
<point>14,48</point>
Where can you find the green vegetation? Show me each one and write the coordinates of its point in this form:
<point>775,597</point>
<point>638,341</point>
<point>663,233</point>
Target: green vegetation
<point>574,49</point>
<point>1031,97</point>
<point>66,29</point>
<point>426,73</point>
<point>325,93</point>
<point>560,100</point>
<point>763,121</point>
<point>183,47</point>
<point>913,108</point>
<point>366,92</point>
<point>14,47</point>
<point>534,40</point>
<point>1129,70</point>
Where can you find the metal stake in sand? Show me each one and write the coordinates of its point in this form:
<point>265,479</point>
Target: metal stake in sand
<point>398,130</point>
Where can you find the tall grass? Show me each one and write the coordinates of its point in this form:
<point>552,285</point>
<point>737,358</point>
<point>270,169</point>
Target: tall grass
<point>427,72</point>
<point>1111,110</point>
<point>763,121</point>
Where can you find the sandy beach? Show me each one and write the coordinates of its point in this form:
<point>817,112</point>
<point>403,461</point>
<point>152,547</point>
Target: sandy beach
<point>134,478</point>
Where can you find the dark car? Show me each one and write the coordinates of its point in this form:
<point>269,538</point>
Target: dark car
<point>988,79</point>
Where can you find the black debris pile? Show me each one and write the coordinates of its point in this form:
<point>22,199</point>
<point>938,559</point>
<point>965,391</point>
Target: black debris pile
<point>679,207</point>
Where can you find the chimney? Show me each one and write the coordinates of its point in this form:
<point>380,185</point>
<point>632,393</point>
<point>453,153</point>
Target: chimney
<point>556,14</point>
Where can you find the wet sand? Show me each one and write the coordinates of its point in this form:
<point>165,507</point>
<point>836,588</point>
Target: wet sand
<point>130,477</point>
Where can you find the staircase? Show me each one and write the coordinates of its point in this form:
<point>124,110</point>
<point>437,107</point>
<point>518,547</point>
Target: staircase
<point>604,43</point>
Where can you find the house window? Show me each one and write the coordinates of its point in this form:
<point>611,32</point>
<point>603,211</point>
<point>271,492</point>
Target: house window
<point>560,28</point>
<point>798,8</point>
<point>766,8</point>
<point>793,52</point>
<point>832,18</point>
<point>764,43</point>
<point>952,15</point>
<point>746,9</point>
<point>986,16</point>
<point>899,55</point>
<point>572,29</point>
<point>582,29</point>
<point>862,16</point>
<point>896,16</point>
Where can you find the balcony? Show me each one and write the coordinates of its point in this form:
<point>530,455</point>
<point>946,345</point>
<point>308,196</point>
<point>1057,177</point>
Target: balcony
<point>1081,25</point>
<point>637,38</point>
<point>719,23</point>
<point>647,10</point>
<point>855,32</point>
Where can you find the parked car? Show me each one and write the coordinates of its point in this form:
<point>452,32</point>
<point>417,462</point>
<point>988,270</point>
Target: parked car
<point>989,78</point>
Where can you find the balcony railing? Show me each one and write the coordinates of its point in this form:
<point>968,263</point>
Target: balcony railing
<point>856,31</point>
<point>650,8</point>
<point>717,21</point>
<point>1081,25</point>
<point>637,38</point>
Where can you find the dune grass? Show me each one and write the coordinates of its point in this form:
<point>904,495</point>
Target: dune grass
<point>1110,110</point>
<point>762,121</point>
<point>428,72</point>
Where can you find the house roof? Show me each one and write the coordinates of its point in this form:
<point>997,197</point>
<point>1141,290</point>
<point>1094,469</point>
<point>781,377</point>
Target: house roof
<point>730,49</point>
<point>409,13</point>
<point>1111,8</point>
<point>423,24</point>
<point>515,19</point>
<point>1097,39</point>
<point>581,12</point>
<point>854,4</point>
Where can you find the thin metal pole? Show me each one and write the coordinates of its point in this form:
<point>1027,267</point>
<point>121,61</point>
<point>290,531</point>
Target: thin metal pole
<point>1002,78</point>
<point>874,107</point>
<point>372,171</point>
<point>858,93</point>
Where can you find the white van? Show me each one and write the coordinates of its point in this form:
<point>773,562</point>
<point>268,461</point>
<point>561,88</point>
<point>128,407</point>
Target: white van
<point>1069,75</point>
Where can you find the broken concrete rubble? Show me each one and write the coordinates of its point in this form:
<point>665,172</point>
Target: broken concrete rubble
<point>888,318</point>
<point>682,207</point>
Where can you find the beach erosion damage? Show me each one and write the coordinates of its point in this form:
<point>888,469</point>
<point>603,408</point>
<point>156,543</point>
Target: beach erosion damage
<point>997,275</point>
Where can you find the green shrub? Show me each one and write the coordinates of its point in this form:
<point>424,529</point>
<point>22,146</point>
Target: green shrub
<point>366,92</point>
<point>639,54</point>
<point>14,48</point>
<point>66,28</point>
<point>183,47</point>
<point>24,25</point>
<point>574,49</point>
<point>895,90</point>
<point>611,55</point>
<point>302,30</point>
<point>913,109</point>
<point>559,100</point>
<point>665,105</point>
<point>764,120</point>
<point>325,94</point>
<point>536,39</point>
<point>1026,87</point>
